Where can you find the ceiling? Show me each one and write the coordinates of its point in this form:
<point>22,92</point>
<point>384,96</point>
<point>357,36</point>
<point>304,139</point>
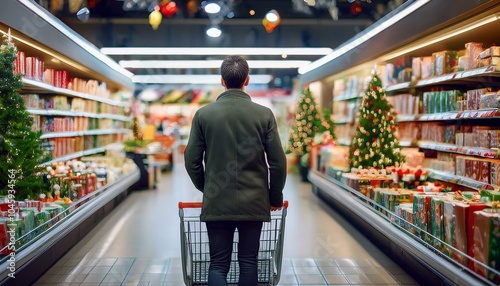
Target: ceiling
<point>302,25</point>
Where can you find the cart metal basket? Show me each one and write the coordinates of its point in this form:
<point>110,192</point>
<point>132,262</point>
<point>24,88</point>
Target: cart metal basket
<point>195,251</point>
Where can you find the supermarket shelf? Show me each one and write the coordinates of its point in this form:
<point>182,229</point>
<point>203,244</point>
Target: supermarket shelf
<point>429,265</point>
<point>408,117</point>
<point>83,133</point>
<point>491,113</point>
<point>404,86</point>
<point>348,96</point>
<point>462,181</point>
<point>76,155</point>
<point>464,150</point>
<point>490,71</point>
<point>55,112</point>
<point>34,259</point>
<point>407,143</point>
<point>42,87</point>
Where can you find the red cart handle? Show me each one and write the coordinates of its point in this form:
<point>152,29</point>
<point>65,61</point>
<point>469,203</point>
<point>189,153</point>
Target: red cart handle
<point>195,205</point>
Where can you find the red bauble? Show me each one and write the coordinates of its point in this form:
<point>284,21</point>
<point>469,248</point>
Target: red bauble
<point>374,139</point>
<point>169,9</point>
<point>371,103</point>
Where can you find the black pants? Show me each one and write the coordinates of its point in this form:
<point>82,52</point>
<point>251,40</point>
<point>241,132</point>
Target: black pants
<point>220,236</point>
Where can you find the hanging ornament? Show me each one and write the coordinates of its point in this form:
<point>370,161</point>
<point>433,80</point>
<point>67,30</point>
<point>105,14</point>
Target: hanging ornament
<point>91,3</point>
<point>155,18</point>
<point>83,14</point>
<point>271,21</point>
<point>168,9</point>
<point>356,8</point>
<point>192,8</point>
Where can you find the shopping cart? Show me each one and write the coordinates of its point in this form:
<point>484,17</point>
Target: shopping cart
<point>195,251</point>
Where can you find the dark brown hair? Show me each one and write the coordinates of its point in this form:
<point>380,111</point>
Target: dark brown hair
<point>234,71</point>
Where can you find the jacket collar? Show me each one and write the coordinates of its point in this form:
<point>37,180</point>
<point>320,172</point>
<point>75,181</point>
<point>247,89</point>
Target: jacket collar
<point>234,93</point>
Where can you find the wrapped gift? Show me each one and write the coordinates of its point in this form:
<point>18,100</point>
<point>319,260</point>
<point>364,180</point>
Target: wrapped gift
<point>28,216</point>
<point>436,218</point>
<point>449,222</point>
<point>461,215</point>
<point>404,216</point>
<point>486,247</point>
<point>390,198</point>
<point>4,236</point>
<point>421,210</point>
<point>489,196</point>
<point>473,51</point>
<point>493,51</point>
<point>444,62</point>
<point>464,213</point>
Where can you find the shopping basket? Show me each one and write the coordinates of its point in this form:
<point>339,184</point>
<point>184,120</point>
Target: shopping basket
<point>195,251</point>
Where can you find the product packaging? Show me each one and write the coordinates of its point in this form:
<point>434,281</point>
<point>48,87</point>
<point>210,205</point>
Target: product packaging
<point>486,248</point>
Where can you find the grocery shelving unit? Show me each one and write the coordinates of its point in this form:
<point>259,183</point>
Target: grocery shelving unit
<point>39,34</point>
<point>411,36</point>
<point>420,259</point>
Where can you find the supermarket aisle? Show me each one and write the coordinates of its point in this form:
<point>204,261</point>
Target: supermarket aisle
<point>139,244</point>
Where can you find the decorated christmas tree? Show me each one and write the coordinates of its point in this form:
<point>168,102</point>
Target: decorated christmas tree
<point>305,124</point>
<point>375,144</point>
<point>20,152</point>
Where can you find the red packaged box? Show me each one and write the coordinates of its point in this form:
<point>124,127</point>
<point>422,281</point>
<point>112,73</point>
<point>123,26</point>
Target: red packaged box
<point>473,51</point>
<point>475,170</point>
<point>64,79</point>
<point>486,243</point>
<point>21,62</point>
<point>484,172</point>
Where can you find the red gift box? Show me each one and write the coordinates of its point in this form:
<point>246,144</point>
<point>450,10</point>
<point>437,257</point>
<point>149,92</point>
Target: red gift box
<point>485,248</point>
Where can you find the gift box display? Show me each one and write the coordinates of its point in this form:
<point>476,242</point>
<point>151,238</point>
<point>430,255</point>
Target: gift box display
<point>437,228</point>
<point>486,248</point>
<point>421,210</point>
<point>444,62</point>
<point>473,51</point>
<point>361,179</point>
<point>405,217</point>
<point>449,222</point>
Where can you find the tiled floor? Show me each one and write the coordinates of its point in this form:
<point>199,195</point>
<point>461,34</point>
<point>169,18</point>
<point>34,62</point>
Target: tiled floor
<point>139,244</point>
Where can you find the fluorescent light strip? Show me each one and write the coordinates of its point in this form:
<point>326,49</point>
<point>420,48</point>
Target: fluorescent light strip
<point>427,42</point>
<point>209,64</point>
<point>218,51</point>
<point>365,37</point>
<point>193,79</point>
<point>75,38</point>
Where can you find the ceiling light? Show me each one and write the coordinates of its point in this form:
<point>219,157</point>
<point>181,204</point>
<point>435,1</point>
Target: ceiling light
<point>271,21</point>
<point>363,37</point>
<point>193,79</point>
<point>135,64</point>
<point>214,32</point>
<point>212,8</point>
<point>443,36</point>
<point>201,51</point>
<point>271,16</point>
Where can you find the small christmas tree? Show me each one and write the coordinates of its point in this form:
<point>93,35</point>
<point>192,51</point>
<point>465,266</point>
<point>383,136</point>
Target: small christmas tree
<point>375,144</point>
<point>20,151</point>
<point>305,124</point>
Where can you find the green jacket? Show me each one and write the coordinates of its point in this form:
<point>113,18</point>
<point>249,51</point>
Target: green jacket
<point>234,156</point>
